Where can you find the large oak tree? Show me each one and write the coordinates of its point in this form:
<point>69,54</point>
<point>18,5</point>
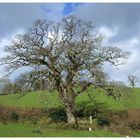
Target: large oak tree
<point>67,51</point>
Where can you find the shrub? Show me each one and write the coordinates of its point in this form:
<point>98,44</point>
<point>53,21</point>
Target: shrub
<point>13,116</point>
<point>37,131</point>
<point>44,122</point>
<point>103,121</point>
<point>134,125</point>
<point>34,119</point>
<point>80,107</point>
<point>57,114</point>
<point>3,119</point>
<point>93,108</point>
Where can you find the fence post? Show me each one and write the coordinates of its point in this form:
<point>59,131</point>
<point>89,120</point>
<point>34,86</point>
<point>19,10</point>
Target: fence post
<point>90,122</point>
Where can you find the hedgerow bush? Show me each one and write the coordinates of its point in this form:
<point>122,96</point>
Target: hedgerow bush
<point>44,122</point>
<point>94,109</point>
<point>57,114</point>
<point>135,125</point>
<point>13,116</point>
<point>103,121</point>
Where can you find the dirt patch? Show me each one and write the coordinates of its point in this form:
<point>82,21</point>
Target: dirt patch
<point>133,114</point>
<point>9,113</point>
<point>21,110</point>
<point>126,115</point>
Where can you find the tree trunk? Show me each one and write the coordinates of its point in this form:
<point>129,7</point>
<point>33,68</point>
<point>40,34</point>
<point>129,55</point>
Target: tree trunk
<point>67,96</point>
<point>70,117</point>
<point>70,110</point>
<point>68,100</point>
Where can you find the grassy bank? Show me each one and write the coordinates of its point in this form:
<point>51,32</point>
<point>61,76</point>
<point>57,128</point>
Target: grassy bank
<point>49,99</point>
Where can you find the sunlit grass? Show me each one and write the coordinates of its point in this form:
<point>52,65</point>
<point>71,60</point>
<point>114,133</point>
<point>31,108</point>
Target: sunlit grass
<point>51,99</point>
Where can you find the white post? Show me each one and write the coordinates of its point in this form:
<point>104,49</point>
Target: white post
<point>90,122</point>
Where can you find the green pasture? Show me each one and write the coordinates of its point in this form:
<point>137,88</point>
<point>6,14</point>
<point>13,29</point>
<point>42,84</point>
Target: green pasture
<point>50,99</point>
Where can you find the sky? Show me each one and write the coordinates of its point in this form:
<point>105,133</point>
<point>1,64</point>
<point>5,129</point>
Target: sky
<point>119,23</point>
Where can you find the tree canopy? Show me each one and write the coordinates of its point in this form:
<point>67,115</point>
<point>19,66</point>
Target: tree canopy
<point>66,51</point>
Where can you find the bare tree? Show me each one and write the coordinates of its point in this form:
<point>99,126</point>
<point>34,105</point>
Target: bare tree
<point>22,83</point>
<point>99,77</point>
<point>132,80</point>
<point>119,91</point>
<point>38,79</point>
<point>5,86</point>
<point>65,49</point>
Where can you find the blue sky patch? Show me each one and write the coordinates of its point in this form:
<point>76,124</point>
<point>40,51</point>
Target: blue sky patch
<point>69,8</point>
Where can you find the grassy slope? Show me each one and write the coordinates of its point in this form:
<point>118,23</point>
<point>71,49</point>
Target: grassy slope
<point>47,99</point>
<point>136,98</point>
<point>32,99</point>
<point>23,130</point>
<point>35,100</point>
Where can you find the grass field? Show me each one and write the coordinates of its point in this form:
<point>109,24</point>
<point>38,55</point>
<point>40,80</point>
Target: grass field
<point>48,99</point>
<point>23,130</point>
<point>26,130</point>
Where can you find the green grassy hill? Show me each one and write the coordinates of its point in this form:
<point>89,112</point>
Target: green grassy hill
<point>49,99</point>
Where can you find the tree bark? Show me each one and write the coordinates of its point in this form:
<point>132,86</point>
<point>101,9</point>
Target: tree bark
<point>68,100</point>
<point>67,96</point>
<point>69,104</point>
<point>71,119</point>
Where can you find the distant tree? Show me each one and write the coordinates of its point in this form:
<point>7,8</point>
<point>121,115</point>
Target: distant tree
<point>5,86</point>
<point>66,50</point>
<point>34,80</point>
<point>38,80</point>
<point>99,78</point>
<point>20,84</point>
<point>118,89</point>
<point>132,80</point>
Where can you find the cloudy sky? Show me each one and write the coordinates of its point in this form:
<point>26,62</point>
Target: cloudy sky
<point>119,23</point>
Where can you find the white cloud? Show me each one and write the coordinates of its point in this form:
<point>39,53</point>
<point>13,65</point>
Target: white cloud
<point>7,40</point>
<point>3,43</point>
<point>134,41</point>
<point>108,33</point>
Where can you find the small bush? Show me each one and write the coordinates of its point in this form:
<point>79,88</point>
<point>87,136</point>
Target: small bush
<point>80,107</point>
<point>13,116</point>
<point>57,114</point>
<point>103,121</point>
<point>37,131</point>
<point>44,122</point>
<point>93,108</point>
<point>34,119</point>
<point>135,125</point>
<point>3,119</point>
